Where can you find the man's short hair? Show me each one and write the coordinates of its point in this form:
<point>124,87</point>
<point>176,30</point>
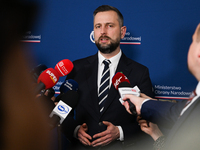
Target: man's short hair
<point>110,8</point>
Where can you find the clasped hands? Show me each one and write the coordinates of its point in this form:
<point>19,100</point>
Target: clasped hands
<point>103,138</point>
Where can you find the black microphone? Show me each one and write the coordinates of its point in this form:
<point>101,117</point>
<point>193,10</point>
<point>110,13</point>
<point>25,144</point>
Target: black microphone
<point>67,102</point>
<point>131,105</point>
<point>35,72</point>
<point>66,86</point>
<point>122,84</point>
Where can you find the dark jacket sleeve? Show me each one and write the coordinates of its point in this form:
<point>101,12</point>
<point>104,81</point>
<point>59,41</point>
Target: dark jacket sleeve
<point>163,113</point>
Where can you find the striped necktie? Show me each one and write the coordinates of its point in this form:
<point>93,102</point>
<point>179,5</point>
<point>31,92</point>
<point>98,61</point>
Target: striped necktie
<point>104,84</point>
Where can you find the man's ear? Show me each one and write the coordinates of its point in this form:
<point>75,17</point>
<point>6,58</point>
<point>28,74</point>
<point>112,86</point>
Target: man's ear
<point>123,31</point>
<point>198,49</point>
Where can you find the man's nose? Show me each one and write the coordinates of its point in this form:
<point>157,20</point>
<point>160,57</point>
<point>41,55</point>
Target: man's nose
<point>103,30</point>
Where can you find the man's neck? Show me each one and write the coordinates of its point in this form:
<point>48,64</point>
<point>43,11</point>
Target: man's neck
<point>110,55</point>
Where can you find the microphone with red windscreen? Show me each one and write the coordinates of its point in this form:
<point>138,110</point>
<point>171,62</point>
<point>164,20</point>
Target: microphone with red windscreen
<point>121,83</point>
<point>47,79</point>
<point>64,67</point>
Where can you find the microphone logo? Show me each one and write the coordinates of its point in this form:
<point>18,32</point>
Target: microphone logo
<point>63,109</point>
<point>133,90</point>
<point>117,82</point>
<point>52,76</point>
<point>62,68</point>
<point>68,85</point>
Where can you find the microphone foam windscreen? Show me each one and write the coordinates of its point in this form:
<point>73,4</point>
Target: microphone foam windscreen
<point>35,72</point>
<point>49,78</point>
<point>67,85</point>
<point>118,78</point>
<point>64,67</point>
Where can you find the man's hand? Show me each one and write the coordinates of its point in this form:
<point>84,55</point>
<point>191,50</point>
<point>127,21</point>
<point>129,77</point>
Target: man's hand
<point>107,136</point>
<point>146,97</point>
<point>152,129</point>
<point>137,101</point>
<point>83,136</point>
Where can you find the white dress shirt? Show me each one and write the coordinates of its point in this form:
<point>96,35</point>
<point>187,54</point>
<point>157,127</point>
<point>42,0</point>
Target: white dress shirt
<point>113,66</point>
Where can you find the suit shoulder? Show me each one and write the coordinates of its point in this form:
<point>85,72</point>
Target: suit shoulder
<point>85,60</point>
<point>135,63</point>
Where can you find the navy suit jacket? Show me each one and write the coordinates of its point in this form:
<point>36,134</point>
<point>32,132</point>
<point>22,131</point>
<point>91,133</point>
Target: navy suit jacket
<point>163,113</point>
<point>185,132</point>
<point>87,111</point>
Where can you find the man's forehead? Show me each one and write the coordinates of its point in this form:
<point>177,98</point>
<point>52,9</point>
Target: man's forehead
<point>109,16</point>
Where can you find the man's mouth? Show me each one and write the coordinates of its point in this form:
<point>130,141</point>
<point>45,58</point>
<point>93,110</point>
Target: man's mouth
<point>104,39</point>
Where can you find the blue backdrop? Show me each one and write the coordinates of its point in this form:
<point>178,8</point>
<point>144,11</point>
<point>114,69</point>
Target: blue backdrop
<point>158,36</point>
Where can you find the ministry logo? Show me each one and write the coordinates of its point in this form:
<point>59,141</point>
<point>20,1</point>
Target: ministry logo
<point>31,38</point>
<point>128,39</point>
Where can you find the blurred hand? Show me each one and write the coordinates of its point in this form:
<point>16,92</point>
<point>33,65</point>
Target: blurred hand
<point>83,136</point>
<point>146,97</point>
<point>107,136</point>
<point>152,129</point>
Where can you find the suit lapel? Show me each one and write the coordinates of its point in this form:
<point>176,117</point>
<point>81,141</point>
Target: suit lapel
<point>113,93</point>
<point>91,70</point>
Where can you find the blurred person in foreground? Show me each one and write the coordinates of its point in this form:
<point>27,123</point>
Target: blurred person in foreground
<point>185,133</point>
<point>23,125</point>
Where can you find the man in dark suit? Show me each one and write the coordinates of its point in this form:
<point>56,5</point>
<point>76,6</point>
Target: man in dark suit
<point>111,127</point>
<point>185,133</point>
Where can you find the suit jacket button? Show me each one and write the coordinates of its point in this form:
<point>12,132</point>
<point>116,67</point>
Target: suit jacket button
<point>100,123</point>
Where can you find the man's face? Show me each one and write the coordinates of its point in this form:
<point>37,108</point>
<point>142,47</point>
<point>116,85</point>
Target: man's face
<point>193,54</point>
<point>107,31</point>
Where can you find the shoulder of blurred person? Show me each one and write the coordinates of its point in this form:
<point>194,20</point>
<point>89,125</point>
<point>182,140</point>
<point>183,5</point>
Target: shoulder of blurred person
<point>23,125</point>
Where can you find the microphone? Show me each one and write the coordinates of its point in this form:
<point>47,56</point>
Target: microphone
<point>122,84</point>
<point>66,86</point>
<point>64,67</point>
<point>47,79</point>
<point>67,102</point>
<point>69,84</point>
<point>35,72</point>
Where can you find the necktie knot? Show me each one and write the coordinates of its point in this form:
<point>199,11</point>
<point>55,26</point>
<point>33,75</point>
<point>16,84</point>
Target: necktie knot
<point>106,62</point>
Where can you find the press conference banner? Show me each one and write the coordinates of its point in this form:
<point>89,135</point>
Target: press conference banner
<point>158,36</point>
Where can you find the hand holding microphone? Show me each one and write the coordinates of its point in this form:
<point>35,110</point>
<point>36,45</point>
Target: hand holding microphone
<point>122,84</point>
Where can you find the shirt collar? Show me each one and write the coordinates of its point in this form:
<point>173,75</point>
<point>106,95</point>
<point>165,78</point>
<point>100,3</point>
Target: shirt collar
<point>114,59</point>
<point>198,89</point>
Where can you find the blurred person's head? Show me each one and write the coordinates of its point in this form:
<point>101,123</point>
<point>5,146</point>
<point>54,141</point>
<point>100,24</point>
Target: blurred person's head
<point>194,54</point>
<point>22,122</point>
